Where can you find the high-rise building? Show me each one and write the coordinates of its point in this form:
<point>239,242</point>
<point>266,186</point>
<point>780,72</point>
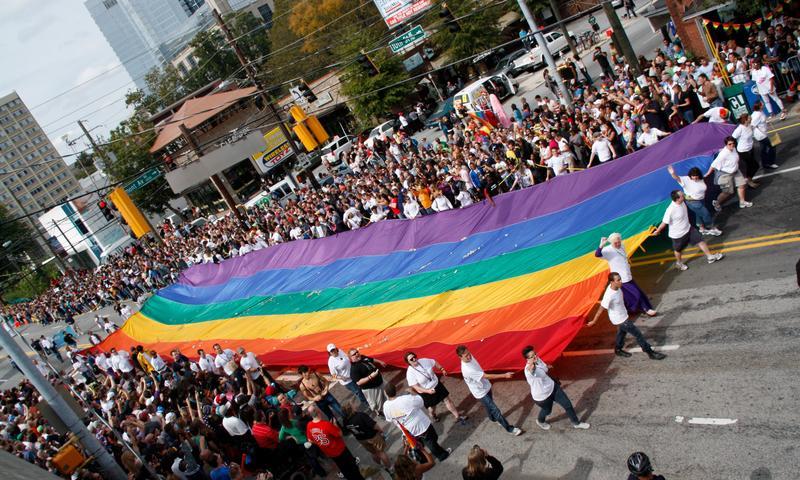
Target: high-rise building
<point>33,171</point>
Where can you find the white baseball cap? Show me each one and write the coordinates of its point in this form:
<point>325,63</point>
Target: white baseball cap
<point>330,347</point>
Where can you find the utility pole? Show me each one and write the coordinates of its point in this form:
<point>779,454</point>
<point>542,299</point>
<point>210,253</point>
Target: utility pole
<point>251,75</point>
<point>622,38</point>
<point>110,468</point>
<point>58,227</point>
<point>36,230</point>
<point>103,155</point>
<point>215,178</point>
<point>566,98</point>
<point>563,26</point>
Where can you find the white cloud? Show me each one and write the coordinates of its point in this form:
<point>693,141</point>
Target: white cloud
<point>93,71</point>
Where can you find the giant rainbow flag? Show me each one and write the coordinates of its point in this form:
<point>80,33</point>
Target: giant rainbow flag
<point>493,278</point>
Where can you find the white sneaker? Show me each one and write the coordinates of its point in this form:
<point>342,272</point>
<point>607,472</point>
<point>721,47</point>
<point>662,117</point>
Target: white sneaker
<point>582,426</point>
<point>681,266</point>
<point>772,166</point>
<point>745,204</point>
<point>543,425</point>
<point>715,232</point>
<point>703,231</point>
<point>516,432</point>
<point>716,257</point>
<point>717,206</point>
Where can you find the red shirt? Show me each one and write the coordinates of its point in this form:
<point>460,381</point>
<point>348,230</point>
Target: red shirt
<point>327,437</point>
<point>265,436</point>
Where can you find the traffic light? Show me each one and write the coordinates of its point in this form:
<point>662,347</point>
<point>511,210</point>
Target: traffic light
<point>449,19</point>
<point>307,93</point>
<point>367,65</point>
<point>105,208</point>
<point>130,212</point>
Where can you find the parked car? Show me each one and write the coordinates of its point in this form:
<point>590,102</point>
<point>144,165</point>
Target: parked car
<point>333,151</point>
<point>477,92</point>
<point>556,43</point>
<point>385,128</point>
<point>506,64</point>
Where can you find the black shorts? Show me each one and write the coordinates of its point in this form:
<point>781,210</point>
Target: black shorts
<point>692,236</point>
<point>435,398</point>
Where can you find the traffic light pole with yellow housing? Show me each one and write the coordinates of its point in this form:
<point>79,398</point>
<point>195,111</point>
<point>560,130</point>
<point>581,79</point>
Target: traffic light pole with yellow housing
<point>139,224</point>
<point>308,129</point>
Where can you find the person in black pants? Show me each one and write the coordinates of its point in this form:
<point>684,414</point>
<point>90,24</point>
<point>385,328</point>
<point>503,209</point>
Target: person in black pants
<point>602,59</point>
<point>481,465</point>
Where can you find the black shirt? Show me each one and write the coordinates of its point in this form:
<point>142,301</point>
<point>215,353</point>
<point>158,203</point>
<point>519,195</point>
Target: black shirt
<point>362,369</point>
<point>492,473</point>
<point>361,425</point>
<point>655,477</point>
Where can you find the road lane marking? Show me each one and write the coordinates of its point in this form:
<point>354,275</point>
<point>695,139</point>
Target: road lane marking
<point>607,351</point>
<point>783,127</point>
<point>776,172</point>
<point>707,420</point>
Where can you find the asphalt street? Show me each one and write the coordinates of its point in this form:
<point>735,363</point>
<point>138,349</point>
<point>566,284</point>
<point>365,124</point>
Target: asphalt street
<point>722,405</point>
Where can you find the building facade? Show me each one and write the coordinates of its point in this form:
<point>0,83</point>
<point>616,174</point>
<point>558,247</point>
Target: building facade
<point>40,177</point>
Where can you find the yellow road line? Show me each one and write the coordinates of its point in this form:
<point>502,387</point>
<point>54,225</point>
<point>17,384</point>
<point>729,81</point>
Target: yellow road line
<point>725,244</point>
<point>783,128</point>
<point>669,256</point>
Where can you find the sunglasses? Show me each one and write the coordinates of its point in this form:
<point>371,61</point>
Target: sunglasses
<point>412,359</point>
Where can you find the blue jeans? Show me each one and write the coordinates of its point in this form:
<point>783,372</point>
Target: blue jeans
<point>494,413</point>
<point>356,390</point>
<point>627,327</point>
<point>558,396</point>
<point>330,407</point>
<point>688,115</point>
<point>702,215</point>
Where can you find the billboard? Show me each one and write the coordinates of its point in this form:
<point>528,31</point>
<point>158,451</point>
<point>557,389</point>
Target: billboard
<point>395,12</point>
<point>277,150</point>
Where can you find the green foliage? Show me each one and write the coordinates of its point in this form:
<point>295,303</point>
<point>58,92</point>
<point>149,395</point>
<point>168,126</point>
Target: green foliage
<point>369,99</point>
<point>479,31</point>
<point>20,236</point>
<point>83,166</point>
<point>31,283</point>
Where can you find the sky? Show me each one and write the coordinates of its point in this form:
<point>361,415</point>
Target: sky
<point>53,52</point>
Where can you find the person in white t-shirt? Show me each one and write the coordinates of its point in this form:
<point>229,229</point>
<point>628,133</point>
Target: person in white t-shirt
<point>614,253</point>
<point>339,367</point>
<point>478,383</point>
<point>727,164</point>
<point>765,83</point>
<point>545,391</point>
<point>614,304</point>
<point>759,124</point>
<point>694,190</point>
<point>206,362</point>
<point>649,136</point>
<point>682,232</point>
<point>557,163</point>
<point>714,115</point>
<point>745,136</point>
<point>409,411</point>
<point>602,149</point>
<point>421,377</point>
<point>249,363</point>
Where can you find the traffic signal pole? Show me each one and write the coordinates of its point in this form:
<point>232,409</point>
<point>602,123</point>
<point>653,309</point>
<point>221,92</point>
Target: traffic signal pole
<point>566,98</point>
<point>251,75</point>
<point>622,38</point>
<point>109,467</point>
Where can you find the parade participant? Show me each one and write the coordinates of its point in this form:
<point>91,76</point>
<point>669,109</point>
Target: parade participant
<point>614,253</point>
<point>727,164</point>
<point>328,438</point>
<point>365,374</point>
<point>640,468</point>
<point>316,388</point>
<point>682,232</point>
<point>545,390</point>
<point>368,433</point>
<point>614,304</point>
<point>409,411</point>
<point>480,387</point>
<point>421,377</point>
<point>339,366</point>
<point>694,189</point>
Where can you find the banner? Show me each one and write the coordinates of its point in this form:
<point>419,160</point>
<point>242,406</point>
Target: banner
<point>395,12</point>
<point>495,278</point>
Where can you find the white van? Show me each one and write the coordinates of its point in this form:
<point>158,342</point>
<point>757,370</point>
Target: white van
<point>475,96</point>
<point>283,191</point>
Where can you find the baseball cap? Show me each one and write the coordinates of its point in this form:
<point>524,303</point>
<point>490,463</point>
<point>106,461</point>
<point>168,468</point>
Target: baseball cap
<point>330,347</point>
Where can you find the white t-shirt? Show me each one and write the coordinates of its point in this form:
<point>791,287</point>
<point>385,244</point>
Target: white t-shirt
<point>762,78</point>
<point>602,148</point>
<point>713,115</point>
<point>249,362</point>
<point>614,302</point>
<point>727,161</point>
<point>464,198</point>
<point>340,367</point>
<point>422,373</point>
<point>235,426</point>
<point>409,411</point>
<point>472,372</point>
<point>693,189</point>
<point>744,138</point>
<point>759,123</point>
<point>540,382</point>
<point>559,164</point>
<point>123,361</point>
<point>206,363</point>
<point>617,260</point>
<point>158,363</point>
<point>650,137</point>
<point>677,217</point>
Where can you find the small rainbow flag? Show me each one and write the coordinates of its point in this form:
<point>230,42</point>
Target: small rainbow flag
<point>493,278</point>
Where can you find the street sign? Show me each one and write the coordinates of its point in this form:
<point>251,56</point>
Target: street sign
<point>143,180</point>
<point>592,20</point>
<point>399,43</point>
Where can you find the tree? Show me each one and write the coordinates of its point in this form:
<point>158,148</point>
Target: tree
<point>19,236</point>
<point>83,166</point>
<point>477,32</point>
<point>373,98</point>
